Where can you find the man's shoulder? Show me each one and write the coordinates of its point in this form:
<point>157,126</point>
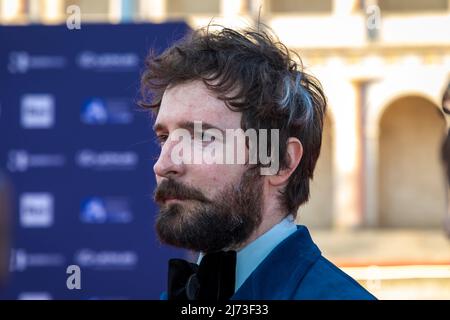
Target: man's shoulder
<point>296,269</point>
<point>325,281</point>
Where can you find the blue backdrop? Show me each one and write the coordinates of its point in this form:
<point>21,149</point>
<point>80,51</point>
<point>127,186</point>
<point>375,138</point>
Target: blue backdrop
<point>79,154</point>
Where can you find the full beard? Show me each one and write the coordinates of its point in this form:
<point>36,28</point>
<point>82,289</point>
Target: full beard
<point>200,224</point>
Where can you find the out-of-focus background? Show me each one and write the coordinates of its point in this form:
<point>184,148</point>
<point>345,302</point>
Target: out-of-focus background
<point>379,200</point>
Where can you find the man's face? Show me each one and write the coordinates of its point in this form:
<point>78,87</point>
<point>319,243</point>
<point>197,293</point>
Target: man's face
<point>203,207</point>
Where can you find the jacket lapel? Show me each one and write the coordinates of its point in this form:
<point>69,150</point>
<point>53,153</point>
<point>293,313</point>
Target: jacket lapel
<point>280,273</point>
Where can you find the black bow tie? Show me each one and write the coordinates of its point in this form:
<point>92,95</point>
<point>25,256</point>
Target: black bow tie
<point>212,280</point>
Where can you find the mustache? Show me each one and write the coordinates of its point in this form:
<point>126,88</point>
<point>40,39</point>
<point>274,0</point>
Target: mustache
<point>172,189</point>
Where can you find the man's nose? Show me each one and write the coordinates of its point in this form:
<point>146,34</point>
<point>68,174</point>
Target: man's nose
<point>165,167</point>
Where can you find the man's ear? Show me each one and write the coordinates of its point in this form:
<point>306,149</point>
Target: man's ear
<point>294,151</point>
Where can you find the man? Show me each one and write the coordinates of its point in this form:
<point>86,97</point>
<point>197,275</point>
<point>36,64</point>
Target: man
<point>207,91</point>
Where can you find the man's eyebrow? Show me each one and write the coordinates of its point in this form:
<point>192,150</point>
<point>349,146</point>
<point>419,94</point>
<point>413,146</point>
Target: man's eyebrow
<point>158,127</point>
<point>189,125</point>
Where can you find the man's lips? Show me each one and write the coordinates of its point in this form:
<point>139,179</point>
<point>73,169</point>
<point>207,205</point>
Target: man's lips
<point>171,199</point>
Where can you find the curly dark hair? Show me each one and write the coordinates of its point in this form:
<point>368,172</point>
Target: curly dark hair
<point>253,73</point>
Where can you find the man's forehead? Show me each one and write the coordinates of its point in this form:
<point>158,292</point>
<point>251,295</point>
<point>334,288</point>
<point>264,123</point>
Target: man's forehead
<point>191,102</point>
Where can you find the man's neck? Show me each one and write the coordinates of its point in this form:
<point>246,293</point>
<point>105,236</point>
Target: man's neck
<point>266,224</point>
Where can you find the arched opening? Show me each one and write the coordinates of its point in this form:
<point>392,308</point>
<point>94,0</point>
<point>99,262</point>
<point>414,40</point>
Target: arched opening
<point>412,192</point>
<point>318,211</point>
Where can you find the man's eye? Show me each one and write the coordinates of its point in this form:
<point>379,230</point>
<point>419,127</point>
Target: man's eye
<point>208,137</point>
<point>161,139</point>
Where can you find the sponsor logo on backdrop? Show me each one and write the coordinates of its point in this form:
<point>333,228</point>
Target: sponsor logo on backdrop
<point>37,111</point>
<point>21,62</point>
<point>107,160</point>
<point>22,260</point>
<point>34,296</point>
<point>36,210</point>
<point>98,210</point>
<point>98,111</point>
<point>106,260</point>
<point>108,61</point>
<point>22,160</point>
